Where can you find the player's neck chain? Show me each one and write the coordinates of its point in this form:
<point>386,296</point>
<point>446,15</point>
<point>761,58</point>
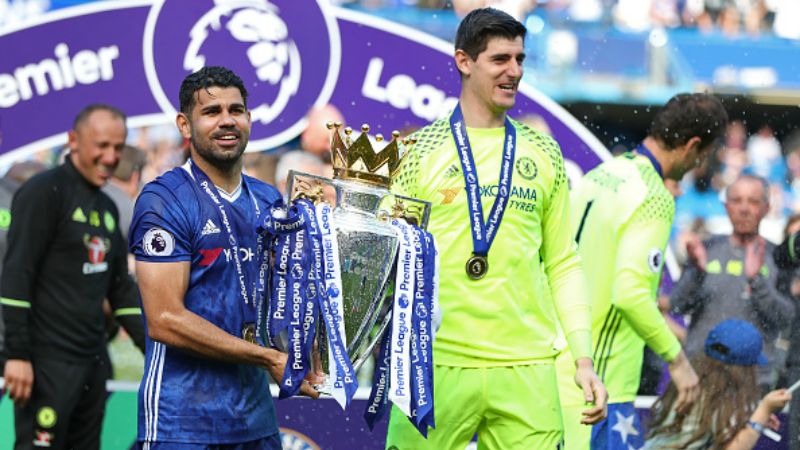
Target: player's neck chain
<point>483,232</point>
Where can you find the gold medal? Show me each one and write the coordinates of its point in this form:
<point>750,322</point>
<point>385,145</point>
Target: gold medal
<point>249,333</point>
<point>477,266</point>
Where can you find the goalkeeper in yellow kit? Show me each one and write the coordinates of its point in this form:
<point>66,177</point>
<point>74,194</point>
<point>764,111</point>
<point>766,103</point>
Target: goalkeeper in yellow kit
<point>509,269</point>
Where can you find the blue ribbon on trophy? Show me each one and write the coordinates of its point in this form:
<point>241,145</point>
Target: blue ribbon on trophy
<point>379,396</point>
<point>303,314</point>
<point>303,262</point>
<point>282,228</point>
<point>340,263</point>
<point>402,308</point>
<point>344,384</point>
<point>291,319</point>
<point>404,372</point>
<point>421,343</point>
<point>328,281</point>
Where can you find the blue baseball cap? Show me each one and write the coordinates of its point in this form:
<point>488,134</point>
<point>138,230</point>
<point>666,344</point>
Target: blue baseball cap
<point>735,342</point>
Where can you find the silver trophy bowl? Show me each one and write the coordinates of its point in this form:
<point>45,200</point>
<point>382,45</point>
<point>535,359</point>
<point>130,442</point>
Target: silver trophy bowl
<point>367,252</point>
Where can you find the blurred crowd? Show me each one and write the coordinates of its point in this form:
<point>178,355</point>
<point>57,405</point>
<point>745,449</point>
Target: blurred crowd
<point>731,18</point>
<point>700,209</point>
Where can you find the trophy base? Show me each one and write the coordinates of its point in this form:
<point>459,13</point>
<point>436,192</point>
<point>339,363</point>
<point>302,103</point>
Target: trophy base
<point>364,374</point>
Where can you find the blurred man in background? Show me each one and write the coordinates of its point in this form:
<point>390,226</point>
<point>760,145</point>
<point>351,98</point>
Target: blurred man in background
<point>16,175</point>
<point>316,138</point>
<point>65,255</point>
<point>731,277</point>
<point>300,161</point>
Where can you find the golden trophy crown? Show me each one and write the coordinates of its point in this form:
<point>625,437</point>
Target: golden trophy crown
<point>358,160</point>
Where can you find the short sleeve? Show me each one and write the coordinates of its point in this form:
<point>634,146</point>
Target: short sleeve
<point>161,228</point>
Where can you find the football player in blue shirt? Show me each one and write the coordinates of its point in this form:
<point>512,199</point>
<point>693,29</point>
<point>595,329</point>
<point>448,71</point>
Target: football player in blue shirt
<point>197,264</point>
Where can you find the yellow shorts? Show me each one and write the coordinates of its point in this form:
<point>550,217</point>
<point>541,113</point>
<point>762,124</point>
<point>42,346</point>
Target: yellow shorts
<point>514,407</point>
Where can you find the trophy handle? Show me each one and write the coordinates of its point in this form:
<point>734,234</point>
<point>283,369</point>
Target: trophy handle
<point>411,209</point>
<point>313,187</point>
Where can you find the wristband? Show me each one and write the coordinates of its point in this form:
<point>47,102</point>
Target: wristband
<point>756,426</point>
<point>761,429</point>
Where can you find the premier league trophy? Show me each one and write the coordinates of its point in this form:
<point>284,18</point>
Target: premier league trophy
<point>338,249</point>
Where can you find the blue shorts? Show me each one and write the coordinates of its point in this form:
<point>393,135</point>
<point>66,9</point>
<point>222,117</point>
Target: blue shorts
<point>621,430</point>
<point>272,442</point>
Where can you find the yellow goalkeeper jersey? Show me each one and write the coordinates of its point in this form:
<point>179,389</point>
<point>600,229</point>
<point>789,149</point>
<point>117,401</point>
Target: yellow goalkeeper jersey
<point>534,281</point>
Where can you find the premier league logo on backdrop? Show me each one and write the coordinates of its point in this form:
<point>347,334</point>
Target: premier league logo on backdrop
<point>273,55</point>
<point>263,41</point>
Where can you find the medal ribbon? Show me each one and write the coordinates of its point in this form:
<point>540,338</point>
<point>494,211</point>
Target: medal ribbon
<point>483,233</point>
<point>642,150</point>
<point>205,185</point>
<point>436,312</point>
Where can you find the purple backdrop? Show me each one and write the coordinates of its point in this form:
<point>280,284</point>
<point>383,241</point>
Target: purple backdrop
<point>292,55</point>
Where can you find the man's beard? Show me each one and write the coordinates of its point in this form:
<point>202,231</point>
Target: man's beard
<point>222,161</point>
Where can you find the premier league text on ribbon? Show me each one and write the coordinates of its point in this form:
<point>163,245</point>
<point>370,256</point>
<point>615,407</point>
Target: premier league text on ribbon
<point>304,244</point>
<point>477,264</point>
<point>472,182</point>
<point>419,342</point>
<point>344,384</point>
<point>403,254</point>
<point>307,262</point>
<point>404,290</point>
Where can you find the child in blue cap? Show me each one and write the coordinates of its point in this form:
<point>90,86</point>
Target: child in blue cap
<point>727,415</point>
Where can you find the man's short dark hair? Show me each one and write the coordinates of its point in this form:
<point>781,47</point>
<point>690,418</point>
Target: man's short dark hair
<point>481,25</point>
<point>205,78</point>
<point>87,111</point>
<point>688,115</point>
